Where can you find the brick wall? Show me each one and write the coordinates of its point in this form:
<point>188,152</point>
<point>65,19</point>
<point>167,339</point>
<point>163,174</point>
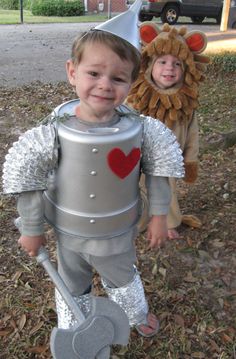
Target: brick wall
<point>116,6</point>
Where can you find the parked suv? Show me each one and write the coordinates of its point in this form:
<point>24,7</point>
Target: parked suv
<point>170,10</point>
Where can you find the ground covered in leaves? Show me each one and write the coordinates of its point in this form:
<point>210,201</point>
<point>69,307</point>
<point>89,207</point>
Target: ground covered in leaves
<point>190,284</point>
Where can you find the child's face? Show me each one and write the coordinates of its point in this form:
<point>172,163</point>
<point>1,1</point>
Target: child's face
<point>167,71</point>
<point>101,80</point>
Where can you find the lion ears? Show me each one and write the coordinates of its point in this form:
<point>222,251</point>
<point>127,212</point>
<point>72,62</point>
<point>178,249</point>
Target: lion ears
<point>195,40</point>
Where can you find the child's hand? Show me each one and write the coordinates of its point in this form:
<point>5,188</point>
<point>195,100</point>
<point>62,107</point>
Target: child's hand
<point>157,231</point>
<point>31,244</point>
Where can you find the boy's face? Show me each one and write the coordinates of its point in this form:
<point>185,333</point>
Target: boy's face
<point>101,80</point>
<point>167,71</point>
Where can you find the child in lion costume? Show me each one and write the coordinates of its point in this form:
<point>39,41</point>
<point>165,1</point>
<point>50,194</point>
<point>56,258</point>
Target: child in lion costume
<point>167,89</point>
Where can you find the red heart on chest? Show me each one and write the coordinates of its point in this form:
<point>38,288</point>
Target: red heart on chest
<point>121,164</point>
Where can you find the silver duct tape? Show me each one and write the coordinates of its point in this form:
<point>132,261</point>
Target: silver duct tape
<point>29,160</point>
<point>65,317</point>
<point>161,153</point>
<point>131,299</point>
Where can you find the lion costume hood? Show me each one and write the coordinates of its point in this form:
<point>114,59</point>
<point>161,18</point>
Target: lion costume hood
<point>179,102</point>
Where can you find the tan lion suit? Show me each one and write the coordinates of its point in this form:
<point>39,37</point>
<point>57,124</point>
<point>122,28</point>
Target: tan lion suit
<point>174,106</point>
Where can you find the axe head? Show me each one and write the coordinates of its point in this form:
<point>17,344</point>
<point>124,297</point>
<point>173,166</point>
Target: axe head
<point>84,341</point>
<point>107,324</point>
<point>111,310</point>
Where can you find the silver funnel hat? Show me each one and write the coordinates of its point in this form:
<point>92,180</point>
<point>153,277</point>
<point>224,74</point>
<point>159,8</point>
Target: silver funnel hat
<point>125,25</point>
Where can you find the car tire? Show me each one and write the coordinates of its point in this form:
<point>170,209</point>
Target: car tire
<point>197,19</point>
<point>145,17</point>
<point>170,14</point>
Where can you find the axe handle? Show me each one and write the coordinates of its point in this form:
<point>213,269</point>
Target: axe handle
<point>44,260</point>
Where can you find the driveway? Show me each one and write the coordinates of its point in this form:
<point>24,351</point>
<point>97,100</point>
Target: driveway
<point>38,52</point>
<point>32,53</point>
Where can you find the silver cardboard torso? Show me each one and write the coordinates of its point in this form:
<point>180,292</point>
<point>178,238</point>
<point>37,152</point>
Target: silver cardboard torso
<point>86,198</point>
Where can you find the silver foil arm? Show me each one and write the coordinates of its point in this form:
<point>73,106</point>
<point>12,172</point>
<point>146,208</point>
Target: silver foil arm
<point>30,159</point>
<point>161,153</point>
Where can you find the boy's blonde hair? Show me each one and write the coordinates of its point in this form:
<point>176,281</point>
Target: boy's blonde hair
<point>119,46</point>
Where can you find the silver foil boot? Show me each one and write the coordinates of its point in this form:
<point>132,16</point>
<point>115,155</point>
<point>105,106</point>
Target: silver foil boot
<point>65,317</point>
<point>131,299</point>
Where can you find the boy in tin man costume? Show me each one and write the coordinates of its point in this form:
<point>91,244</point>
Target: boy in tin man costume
<point>81,172</point>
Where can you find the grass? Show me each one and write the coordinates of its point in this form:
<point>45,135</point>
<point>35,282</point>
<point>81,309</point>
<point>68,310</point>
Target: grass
<point>13,17</point>
<point>224,62</point>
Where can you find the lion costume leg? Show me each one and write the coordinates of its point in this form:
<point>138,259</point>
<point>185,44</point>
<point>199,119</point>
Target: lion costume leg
<point>174,217</point>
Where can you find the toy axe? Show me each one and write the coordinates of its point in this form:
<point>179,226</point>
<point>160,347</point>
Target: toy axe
<point>91,338</point>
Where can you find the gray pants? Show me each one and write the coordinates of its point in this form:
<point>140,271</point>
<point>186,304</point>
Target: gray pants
<point>77,269</point>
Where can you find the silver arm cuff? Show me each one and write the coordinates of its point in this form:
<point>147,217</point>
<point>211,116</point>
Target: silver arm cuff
<point>131,299</point>
<point>161,153</point>
<point>65,317</point>
<point>30,159</point>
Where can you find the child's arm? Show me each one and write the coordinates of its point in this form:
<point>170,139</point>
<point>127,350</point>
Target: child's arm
<point>159,196</point>
<point>30,206</point>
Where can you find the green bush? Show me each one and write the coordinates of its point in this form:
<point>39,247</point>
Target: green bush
<point>14,4</point>
<point>9,4</point>
<point>57,8</point>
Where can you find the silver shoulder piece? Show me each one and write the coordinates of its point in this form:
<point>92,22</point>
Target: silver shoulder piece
<point>66,108</point>
<point>125,109</point>
<point>161,153</point>
<point>29,160</point>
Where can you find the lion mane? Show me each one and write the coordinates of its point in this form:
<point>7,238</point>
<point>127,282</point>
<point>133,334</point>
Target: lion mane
<point>179,102</point>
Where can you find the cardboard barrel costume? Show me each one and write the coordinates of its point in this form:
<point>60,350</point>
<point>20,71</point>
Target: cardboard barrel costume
<point>173,106</point>
<point>86,208</point>
<point>23,171</point>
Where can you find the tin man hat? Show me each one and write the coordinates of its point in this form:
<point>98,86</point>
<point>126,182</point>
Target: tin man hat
<point>125,25</point>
